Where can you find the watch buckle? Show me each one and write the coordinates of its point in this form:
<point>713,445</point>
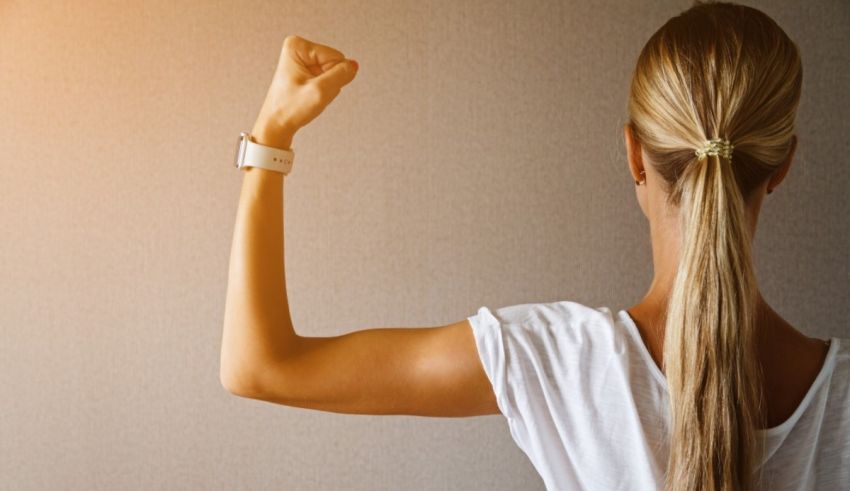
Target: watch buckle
<point>242,146</point>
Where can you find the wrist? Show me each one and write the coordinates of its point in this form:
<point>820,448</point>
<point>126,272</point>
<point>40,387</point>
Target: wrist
<point>272,134</point>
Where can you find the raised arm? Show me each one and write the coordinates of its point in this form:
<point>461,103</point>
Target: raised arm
<point>428,371</point>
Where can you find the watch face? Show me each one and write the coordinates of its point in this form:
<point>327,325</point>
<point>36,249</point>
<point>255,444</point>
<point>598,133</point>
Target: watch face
<point>240,149</point>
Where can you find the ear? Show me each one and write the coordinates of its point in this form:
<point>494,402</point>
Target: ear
<point>780,173</point>
<point>633,153</point>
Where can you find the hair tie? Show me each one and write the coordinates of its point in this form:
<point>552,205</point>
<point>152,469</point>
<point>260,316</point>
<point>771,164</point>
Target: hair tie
<point>716,146</point>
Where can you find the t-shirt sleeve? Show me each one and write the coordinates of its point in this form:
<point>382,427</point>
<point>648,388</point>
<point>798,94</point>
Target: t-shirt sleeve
<point>487,330</point>
<point>519,350</point>
<point>540,356</point>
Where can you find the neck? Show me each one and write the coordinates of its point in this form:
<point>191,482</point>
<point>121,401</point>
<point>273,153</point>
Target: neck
<point>665,236</point>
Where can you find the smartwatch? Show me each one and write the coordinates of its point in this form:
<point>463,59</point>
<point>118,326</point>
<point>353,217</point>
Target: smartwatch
<point>251,154</point>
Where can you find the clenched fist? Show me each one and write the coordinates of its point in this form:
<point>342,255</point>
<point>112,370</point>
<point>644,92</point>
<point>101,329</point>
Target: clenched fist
<point>307,78</point>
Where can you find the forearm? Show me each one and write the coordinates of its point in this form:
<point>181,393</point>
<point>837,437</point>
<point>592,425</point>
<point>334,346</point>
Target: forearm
<point>257,322</point>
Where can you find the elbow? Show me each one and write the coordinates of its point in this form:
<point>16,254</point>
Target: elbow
<point>237,371</point>
<point>239,382</point>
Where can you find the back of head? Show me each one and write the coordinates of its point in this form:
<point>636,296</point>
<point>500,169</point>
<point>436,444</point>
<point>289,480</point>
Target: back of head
<point>727,73</point>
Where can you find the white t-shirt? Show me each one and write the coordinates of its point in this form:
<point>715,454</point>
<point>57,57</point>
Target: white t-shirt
<point>587,404</point>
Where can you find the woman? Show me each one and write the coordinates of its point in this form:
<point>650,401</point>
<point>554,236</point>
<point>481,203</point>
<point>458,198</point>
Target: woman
<point>700,385</point>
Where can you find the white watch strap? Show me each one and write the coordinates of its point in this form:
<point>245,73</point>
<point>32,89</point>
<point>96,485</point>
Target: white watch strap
<point>275,159</point>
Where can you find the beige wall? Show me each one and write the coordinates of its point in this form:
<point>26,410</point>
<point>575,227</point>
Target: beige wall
<point>477,159</point>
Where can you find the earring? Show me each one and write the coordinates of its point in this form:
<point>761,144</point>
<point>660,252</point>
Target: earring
<point>643,173</point>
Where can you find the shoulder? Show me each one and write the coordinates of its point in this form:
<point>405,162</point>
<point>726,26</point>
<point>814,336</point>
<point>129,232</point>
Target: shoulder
<point>538,356</point>
<point>546,312</point>
<point>563,323</point>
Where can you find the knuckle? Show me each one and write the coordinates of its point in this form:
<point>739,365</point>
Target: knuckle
<point>291,40</point>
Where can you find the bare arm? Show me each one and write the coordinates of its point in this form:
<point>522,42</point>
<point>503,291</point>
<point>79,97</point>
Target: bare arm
<point>430,371</point>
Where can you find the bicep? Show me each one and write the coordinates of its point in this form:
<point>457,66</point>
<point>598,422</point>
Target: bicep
<point>430,371</point>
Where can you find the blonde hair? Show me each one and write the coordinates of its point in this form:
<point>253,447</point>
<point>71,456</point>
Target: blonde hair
<point>715,71</point>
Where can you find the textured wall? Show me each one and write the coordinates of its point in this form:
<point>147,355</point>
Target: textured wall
<point>477,159</point>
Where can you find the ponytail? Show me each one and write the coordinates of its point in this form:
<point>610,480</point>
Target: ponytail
<point>710,361</point>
